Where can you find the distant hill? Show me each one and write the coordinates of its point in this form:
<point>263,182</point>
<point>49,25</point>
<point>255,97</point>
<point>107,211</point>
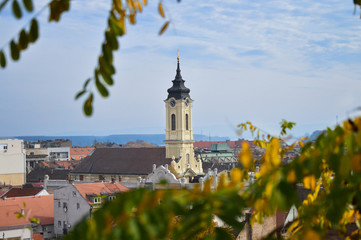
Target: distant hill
<point>315,134</point>
<point>82,141</point>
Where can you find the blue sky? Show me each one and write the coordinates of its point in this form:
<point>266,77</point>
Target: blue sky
<point>259,61</point>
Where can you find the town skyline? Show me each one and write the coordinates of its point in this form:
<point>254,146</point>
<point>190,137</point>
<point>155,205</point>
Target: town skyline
<point>242,61</point>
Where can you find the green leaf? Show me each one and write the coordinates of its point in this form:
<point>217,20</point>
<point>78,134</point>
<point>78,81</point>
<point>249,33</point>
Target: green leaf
<point>222,234</point>
<point>2,59</point>
<point>105,67</point>
<point>16,9</point>
<point>107,79</point>
<point>111,40</point>
<point>34,31</point>
<point>3,4</point>
<point>23,40</point>
<point>115,27</point>
<point>15,53</point>
<point>57,7</point>
<point>101,88</point>
<point>88,105</point>
<point>79,94</point>
<point>28,5</point>
<point>86,83</point>
<point>107,53</point>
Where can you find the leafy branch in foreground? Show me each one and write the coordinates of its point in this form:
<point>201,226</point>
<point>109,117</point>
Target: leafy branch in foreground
<point>330,168</point>
<point>120,12</point>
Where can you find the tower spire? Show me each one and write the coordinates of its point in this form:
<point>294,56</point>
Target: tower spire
<point>178,90</point>
<point>178,68</point>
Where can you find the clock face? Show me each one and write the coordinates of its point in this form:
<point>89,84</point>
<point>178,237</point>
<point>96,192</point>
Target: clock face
<point>187,102</point>
<point>172,103</point>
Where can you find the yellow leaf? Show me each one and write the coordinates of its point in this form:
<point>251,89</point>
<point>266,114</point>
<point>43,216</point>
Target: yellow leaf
<point>309,182</point>
<point>145,2</point>
<point>311,235</point>
<point>139,6</point>
<point>269,188</point>
<point>164,28</point>
<point>272,153</point>
<point>236,175</point>
<point>118,6</point>
<point>291,176</point>
<point>246,156</point>
<point>259,205</point>
<point>356,163</point>
<point>131,5</point>
<point>160,9</point>
<point>132,18</point>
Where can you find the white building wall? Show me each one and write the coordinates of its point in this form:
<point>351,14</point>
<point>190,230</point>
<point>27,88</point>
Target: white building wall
<point>21,233</point>
<point>77,208</point>
<point>12,162</point>
<point>59,153</point>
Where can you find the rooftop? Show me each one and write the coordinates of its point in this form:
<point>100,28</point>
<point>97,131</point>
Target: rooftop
<point>40,207</point>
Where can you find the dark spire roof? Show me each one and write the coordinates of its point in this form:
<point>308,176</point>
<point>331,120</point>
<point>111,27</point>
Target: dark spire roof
<point>178,90</point>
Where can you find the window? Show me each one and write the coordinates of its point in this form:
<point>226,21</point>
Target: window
<point>188,160</point>
<point>77,205</point>
<point>111,198</point>
<point>59,223</point>
<point>101,177</point>
<point>96,200</point>
<point>81,177</point>
<point>173,122</point>
<point>65,205</point>
<point>74,194</point>
<point>59,204</point>
<point>187,128</point>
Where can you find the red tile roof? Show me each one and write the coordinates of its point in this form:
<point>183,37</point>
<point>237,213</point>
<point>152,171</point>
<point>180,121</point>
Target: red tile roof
<point>37,236</point>
<point>99,188</point>
<point>21,192</point>
<point>65,164</point>
<point>80,153</point>
<point>40,207</point>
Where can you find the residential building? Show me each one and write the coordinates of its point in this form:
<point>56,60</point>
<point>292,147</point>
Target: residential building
<point>48,143</point>
<point>59,153</point>
<point>217,153</point>
<point>24,192</point>
<point>75,201</point>
<point>120,164</point>
<point>34,156</point>
<point>37,174</point>
<point>12,159</point>
<point>80,153</point>
<point>39,207</point>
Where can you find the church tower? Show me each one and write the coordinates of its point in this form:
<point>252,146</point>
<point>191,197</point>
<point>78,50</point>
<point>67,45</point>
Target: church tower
<point>179,131</point>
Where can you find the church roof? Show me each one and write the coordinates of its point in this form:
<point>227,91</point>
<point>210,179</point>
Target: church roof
<point>125,161</point>
<point>178,90</point>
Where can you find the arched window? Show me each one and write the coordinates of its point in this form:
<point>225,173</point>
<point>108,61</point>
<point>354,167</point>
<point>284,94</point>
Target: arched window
<point>188,161</point>
<point>187,128</point>
<point>173,122</point>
